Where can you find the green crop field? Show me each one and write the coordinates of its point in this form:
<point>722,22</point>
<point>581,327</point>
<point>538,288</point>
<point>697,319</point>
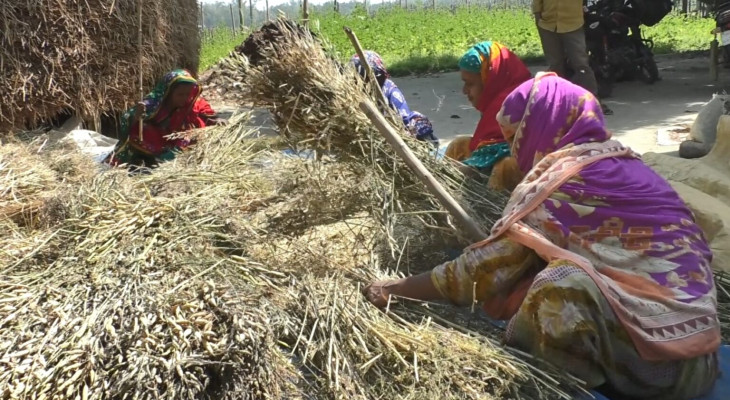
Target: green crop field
<point>433,40</point>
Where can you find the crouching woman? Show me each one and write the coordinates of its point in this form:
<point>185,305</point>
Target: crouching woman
<point>172,108</point>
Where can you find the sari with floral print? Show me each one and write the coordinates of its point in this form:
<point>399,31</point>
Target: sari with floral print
<point>597,262</point>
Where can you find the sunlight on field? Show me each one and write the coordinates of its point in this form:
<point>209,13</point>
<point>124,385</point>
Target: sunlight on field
<point>427,40</point>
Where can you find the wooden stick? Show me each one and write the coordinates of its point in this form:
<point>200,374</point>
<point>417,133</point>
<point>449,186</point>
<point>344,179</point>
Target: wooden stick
<point>141,72</point>
<point>370,76</point>
<point>434,187</point>
<point>241,22</point>
<point>233,23</point>
<point>714,52</point>
<point>250,13</point>
<point>305,13</point>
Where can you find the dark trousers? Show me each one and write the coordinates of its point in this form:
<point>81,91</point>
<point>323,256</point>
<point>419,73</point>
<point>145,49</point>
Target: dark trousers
<point>570,47</point>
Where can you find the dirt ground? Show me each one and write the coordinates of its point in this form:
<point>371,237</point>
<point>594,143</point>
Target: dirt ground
<point>640,110</point>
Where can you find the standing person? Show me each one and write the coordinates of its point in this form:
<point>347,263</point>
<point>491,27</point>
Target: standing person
<point>560,25</point>
<point>597,263</point>
<point>417,124</point>
<point>490,71</point>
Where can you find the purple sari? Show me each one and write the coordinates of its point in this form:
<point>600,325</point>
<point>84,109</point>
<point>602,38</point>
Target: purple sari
<point>592,201</point>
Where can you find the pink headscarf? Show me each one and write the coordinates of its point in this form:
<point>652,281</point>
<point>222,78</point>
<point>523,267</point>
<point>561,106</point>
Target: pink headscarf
<point>587,199</point>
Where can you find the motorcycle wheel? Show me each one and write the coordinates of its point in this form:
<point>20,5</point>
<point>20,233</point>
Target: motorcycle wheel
<point>605,86</point>
<point>647,70</point>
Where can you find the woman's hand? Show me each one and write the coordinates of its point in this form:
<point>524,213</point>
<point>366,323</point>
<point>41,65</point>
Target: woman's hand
<point>379,292</point>
<point>139,110</point>
<point>220,122</point>
<point>469,172</point>
<point>417,287</point>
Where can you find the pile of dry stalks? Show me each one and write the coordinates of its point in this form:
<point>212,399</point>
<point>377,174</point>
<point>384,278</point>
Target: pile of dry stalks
<point>232,272</point>
<point>315,104</point>
<point>84,56</point>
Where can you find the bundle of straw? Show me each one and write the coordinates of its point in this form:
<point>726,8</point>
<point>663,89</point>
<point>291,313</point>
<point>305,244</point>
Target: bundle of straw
<point>315,103</point>
<point>200,281</point>
<point>24,183</point>
<point>224,274</point>
<point>136,295</point>
<point>84,58</point>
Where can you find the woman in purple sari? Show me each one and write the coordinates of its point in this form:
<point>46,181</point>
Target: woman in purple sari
<point>597,263</point>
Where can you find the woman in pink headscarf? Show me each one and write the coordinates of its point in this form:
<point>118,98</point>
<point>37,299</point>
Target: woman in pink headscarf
<point>597,263</point>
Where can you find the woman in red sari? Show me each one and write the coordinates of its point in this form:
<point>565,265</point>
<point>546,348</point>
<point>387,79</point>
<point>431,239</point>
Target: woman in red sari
<point>490,71</point>
<point>174,106</point>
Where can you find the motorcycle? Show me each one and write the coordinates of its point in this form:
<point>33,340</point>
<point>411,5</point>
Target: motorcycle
<point>616,47</point>
<point>617,50</point>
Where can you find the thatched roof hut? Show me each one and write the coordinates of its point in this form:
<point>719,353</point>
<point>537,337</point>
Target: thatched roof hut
<point>83,56</point>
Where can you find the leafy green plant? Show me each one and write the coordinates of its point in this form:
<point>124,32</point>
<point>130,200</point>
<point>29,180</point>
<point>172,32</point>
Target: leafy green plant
<point>426,40</point>
<point>216,44</point>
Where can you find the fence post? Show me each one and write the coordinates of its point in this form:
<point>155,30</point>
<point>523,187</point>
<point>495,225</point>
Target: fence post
<point>241,22</point>
<point>233,23</point>
<point>305,12</point>
<point>250,13</point>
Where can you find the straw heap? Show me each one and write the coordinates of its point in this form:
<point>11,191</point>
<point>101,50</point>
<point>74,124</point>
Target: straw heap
<point>130,294</point>
<point>315,103</point>
<point>220,276</point>
<point>232,272</point>
<point>83,57</point>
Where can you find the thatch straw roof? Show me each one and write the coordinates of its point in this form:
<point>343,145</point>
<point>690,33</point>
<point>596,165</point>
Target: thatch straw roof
<point>83,56</point>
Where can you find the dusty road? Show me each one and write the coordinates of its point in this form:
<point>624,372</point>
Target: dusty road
<point>639,109</point>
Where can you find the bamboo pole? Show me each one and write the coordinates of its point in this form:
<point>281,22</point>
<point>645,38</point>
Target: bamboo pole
<point>714,58</point>
<point>141,71</point>
<point>250,13</point>
<point>241,22</point>
<point>370,77</point>
<point>202,17</point>
<point>233,22</point>
<point>472,229</point>
<point>305,12</point>
<point>267,11</point>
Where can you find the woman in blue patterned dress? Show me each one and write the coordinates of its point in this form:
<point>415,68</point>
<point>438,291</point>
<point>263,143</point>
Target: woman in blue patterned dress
<point>417,124</point>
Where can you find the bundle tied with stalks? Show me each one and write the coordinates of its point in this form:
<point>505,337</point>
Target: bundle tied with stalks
<point>83,57</point>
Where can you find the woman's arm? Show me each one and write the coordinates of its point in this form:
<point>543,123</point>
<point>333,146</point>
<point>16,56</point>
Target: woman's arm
<point>418,287</point>
<point>397,100</point>
<point>206,112</point>
<point>475,276</point>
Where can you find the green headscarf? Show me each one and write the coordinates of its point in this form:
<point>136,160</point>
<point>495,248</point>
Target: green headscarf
<point>471,61</point>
